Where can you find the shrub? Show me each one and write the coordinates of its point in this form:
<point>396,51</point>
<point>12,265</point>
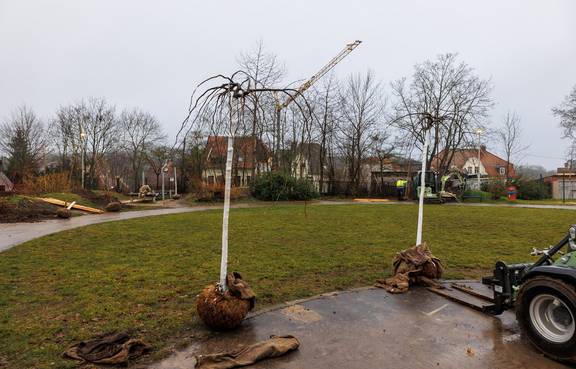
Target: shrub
<point>496,188</point>
<point>51,182</point>
<point>277,186</point>
<point>533,189</point>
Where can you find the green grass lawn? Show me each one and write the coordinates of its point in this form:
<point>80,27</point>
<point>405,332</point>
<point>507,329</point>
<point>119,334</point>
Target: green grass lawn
<point>144,274</point>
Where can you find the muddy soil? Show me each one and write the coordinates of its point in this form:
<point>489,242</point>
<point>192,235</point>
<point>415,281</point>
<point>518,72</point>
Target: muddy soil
<point>26,210</point>
<point>100,200</point>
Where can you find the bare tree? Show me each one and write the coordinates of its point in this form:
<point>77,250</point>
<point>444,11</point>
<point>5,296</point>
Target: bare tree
<point>445,99</point>
<point>509,137</point>
<point>567,114</point>
<point>362,108</point>
<point>156,157</point>
<point>326,109</point>
<point>140,131</point>
<point>383,147</point>
<point>266,70</point>
<point>23,141</point>
<point>90,128</point>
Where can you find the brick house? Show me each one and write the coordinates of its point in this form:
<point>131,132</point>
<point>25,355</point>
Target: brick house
<point>491,166</point>
<point>251,157</point>
<point>563,183</point>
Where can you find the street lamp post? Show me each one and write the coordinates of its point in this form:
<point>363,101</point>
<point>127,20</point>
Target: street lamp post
<point>82,137</point>
<point>164,169</point>
<point>479,132</point>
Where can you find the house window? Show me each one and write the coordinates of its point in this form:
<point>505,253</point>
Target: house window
<point>502,171</point>
<point>248,178</point>
<point>476,170</point>
<point>469,170</point>
<point>210,179</point>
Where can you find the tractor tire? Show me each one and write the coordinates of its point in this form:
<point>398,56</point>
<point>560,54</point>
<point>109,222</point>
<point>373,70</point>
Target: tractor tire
<point>546,312</point>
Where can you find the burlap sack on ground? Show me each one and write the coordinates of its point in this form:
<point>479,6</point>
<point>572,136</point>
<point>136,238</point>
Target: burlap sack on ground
<point>415,265</point>
<point>110,349</point>
<point>273,347</point>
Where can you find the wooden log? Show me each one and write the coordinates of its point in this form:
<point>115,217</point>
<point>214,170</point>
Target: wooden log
<point>75,206</point>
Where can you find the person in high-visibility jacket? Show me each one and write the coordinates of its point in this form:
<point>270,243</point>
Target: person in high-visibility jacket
<point>401,188</point>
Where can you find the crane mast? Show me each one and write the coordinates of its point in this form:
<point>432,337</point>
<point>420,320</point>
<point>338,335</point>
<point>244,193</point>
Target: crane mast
<point>325,69</point>
<point>305,86</point>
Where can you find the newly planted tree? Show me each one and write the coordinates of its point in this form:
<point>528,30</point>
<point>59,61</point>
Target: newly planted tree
<point>223,106</point>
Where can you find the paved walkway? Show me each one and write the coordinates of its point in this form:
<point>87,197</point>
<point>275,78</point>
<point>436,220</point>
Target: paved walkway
<point>13,234</point>
<point>373,329</point>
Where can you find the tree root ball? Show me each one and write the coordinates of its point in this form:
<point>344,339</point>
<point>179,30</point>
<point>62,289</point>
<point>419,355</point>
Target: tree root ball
<point>63,213</point>
<point>221,311</point>
<point>113,206</point>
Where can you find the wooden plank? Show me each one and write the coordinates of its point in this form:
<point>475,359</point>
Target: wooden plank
<point>470,291</point>
<point>75,206</point>
<point>476,305</point>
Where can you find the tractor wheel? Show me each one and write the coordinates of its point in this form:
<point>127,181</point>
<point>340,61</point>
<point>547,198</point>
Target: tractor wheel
<point>546,313</point>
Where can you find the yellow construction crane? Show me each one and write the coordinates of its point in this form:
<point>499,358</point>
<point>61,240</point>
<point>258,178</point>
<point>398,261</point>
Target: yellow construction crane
<point>325,69</point>
<point>306,85</point>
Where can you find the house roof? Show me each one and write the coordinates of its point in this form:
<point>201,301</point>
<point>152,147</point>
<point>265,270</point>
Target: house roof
<point>491,162</point>
<point>6,182</point>
<point>245,150</point>
<point>394,163</point>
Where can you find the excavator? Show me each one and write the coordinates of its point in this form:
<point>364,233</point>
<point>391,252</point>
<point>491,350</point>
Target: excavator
<point>440,189</point>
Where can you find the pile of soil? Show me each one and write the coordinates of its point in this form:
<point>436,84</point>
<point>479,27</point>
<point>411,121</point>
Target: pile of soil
<point>26,210</point>
<point>100,200</point>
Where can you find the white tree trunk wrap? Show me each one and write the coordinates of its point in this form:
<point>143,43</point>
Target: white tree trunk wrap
<point>227,187</point>
<point>422,191</point>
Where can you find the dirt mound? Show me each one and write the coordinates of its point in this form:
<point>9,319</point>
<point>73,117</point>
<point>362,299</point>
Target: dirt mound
<point>26,210</point>
<point>113,207</point>
<point>99,199</point>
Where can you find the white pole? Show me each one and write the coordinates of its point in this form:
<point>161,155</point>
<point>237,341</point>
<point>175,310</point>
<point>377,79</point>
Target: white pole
<point>422,190</point>
<point>163,182</point>
<point>82,143</point>
<point>227,187</point>
<point>175,182</point>
<point>479,133</point>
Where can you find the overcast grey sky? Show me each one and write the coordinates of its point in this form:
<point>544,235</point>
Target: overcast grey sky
<point>150,54</point>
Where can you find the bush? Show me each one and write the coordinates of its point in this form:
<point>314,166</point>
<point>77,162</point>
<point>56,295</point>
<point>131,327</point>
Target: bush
<point>276,186</point>
<point>51,182</point>
<point>533,190</point>
<point>475,195</point>
<point>496,188</point>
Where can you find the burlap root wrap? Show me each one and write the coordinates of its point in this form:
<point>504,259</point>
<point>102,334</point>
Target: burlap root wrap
<point>222,311</point>
<point>415,265</point>
<point>248,355</point>
<point>109,349</point>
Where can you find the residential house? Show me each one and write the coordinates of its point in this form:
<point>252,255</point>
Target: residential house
<point>6,185</point>
<point>251,157</point>
<point>490,165</point>
<point>381,174</point>
<point>306,164</point>
<point>563,183</point>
